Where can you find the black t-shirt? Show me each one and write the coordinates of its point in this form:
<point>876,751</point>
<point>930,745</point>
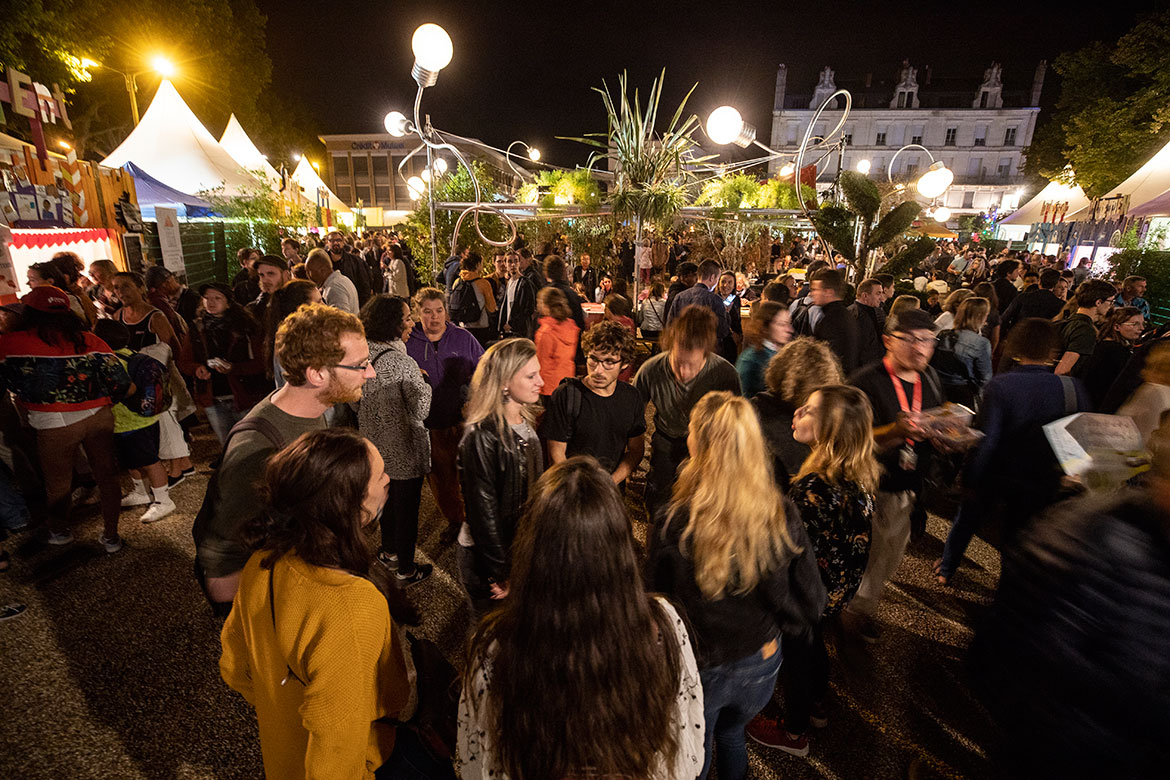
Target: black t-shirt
<point>874,381</point>
<point>603,425</point>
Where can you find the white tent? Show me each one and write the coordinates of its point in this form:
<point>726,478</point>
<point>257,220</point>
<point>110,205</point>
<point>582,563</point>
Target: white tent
<point>1147,182</point>
<point>309,182</point>
<point>173,146</point>
<point>1032,211</point>
<point>237,143</point>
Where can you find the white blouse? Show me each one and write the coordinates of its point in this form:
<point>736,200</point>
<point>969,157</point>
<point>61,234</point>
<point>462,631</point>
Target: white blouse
<point>477,758</point>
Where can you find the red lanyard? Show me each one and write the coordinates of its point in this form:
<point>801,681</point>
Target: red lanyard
<point>901,393</point>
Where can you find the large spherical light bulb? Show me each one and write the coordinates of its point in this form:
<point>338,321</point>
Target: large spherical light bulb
<point>425,175</point>
<point>396,124</point>
<point>533,154</point>
<point>787,170</point>
<point>935,181</point>
<point>416,186</point>
<point>724,125</point>
<point>432,47</point>
<point>440,166</point>
<point>942,214</point>
<point>863,167</point>
<point>163,67</point>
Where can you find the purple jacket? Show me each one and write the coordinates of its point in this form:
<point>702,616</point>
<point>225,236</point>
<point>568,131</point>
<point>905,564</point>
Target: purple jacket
<point>449,365</point>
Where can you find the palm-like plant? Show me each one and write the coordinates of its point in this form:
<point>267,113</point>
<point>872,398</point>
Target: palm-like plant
<point>650,168</point>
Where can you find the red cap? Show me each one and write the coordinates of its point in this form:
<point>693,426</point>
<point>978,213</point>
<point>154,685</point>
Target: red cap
<point>47,298</point>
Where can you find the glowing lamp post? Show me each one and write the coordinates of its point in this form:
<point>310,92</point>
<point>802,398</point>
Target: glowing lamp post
<point>935,181</point>
<point>432,52</point>
<point>725,126</point>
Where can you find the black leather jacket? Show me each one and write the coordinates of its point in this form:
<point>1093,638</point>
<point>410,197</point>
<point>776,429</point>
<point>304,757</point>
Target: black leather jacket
<point>495,479</point>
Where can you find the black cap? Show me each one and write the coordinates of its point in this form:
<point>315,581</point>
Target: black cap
<point>220,286</point>
<point>272,260</point>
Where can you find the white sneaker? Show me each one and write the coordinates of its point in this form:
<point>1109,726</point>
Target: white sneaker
<point>136,498</point>
<point>158,511</point>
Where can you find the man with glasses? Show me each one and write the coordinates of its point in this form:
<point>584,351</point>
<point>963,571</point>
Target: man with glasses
<point>325,359</point>
<point>899,386</point>
<point>599,415</point>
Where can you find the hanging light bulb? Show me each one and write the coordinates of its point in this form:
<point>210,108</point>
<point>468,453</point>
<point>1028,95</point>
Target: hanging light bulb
<point>432,52</point>
<point>416,187</point>
<point>942,214</point>
<point>396,124</point>
<point>863,167</point>
<point>935,181</point>
<point>787,170</point>
<point>440,166</point>
<point>725,126</point>
<point>426,175</point>
<point>533,154</point>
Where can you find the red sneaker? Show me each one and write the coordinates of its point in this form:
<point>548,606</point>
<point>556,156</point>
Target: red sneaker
<point>771,733</point>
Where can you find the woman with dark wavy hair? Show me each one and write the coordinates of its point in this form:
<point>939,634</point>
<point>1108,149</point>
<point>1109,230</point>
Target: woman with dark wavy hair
<point>616,692</point>
<point>309,641</point>
<point>293,295</point>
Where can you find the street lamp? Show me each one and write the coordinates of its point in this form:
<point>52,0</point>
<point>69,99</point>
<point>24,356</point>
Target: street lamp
<point>863,167</point>
<point>942,214</point>
<point>934,182</point>
<point>159,64</point>
<point>432,52</point>
<point>533,154</point>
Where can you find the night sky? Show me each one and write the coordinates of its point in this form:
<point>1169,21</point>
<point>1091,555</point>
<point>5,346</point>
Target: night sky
<point>523,70</point>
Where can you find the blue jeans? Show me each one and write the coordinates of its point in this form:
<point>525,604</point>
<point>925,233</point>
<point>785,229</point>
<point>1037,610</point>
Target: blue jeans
<point>222,415</point>
<point>733,693</point>
<point>13,509</point>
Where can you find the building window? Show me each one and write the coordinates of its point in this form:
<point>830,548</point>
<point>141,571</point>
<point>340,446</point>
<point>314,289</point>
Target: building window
<point>902,99</point>
<point>793,131</point>
<point>881,138</point>
<point>383,194</point>
<point>983,96</point>
<point>969,199</point>
<point>952,135</point>
<point>916,135</point>
<point>974,166</point>
<point>1009,137</point>
<point>849,139</point>
<point>981,135</point>
<point>912,167</point>
<point>1005,167</point>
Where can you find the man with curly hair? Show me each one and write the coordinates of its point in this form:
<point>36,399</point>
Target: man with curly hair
<point>325,358</point>
<point>599,415</point>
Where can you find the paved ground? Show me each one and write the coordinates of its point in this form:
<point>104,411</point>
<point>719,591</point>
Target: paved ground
<point>112,672</point>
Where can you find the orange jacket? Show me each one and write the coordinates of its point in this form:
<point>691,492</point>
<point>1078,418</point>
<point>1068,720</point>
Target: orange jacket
<point>556,346</point>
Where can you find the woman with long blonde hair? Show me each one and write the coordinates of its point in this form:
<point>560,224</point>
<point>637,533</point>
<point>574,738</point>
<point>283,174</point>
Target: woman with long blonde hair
<point>734,554</point>
<point>499,460</point>
<point>833,493</point>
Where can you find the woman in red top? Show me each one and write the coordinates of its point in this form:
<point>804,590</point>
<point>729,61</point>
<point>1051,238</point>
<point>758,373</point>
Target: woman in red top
<point>556,339</point>
<point>67,379</point>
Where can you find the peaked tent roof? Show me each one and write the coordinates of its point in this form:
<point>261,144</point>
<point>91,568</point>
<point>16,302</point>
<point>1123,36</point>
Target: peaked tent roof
<point>1033,210</point>
<point>1147,182</point>
<point>176,148</point>
<point>310,182</point>
<point>152,192</point>
<point>237,144</point>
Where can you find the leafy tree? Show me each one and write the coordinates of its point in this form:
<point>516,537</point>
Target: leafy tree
<point>1112,113</point>
<point>837,222</point>
<point>453,186</point>
<point>556,187</point>
<point>256,217</point>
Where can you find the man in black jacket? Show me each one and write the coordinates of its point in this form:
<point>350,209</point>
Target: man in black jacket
<point>703,294</point>
<point>350,265</point>
<point>532,270</point>
<point>836,326</point>
<point>517,301</point>
<point>585,275</point>
<point>1006,274</point>
<point>1041,303</point>
<point>871,321</point>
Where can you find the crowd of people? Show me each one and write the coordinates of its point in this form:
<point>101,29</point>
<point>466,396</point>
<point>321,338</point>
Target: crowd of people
<point>789,468</point>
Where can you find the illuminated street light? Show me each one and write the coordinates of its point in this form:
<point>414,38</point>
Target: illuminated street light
<point>425,175</point>
<point>440,166</point>
<point>935,181</point>
<point>397,124</point>
<point>159,64</point>
<point>416,187</point>
<point>432,52</point>
<point>725,126</point>
<point>163,67</point>
<point>863,167</point>
<point>64,145</point>
<point>786,170</point>
<point>533,154</point>
<point>942,214</point>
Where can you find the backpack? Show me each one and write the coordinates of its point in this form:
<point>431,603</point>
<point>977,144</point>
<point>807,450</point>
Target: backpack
<point>152,385</point>
<point>951,366</point>
<point>801,321</point>
<point>464,305</point>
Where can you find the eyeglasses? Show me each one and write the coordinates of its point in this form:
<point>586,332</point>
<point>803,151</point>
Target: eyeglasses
<point>915,340</point>
<point>607,363</point>
<point>362,366</point>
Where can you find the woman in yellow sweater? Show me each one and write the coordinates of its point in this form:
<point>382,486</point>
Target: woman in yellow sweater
<point>309,641</point>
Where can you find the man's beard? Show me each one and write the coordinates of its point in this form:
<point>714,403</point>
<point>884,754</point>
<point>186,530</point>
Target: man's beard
<point>337,393</point>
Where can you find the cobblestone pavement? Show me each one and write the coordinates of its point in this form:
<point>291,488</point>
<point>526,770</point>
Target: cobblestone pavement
<point>112,672</point>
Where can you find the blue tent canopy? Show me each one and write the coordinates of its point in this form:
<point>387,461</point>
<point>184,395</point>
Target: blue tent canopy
<point>152,192</point>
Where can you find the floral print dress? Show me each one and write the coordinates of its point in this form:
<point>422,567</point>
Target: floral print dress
<point>838,518</point>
